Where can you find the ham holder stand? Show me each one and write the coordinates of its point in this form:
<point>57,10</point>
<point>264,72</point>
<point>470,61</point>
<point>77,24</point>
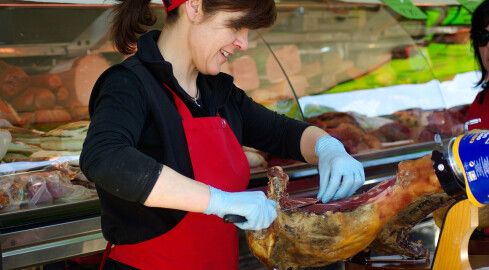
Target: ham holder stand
<point>462,167</point>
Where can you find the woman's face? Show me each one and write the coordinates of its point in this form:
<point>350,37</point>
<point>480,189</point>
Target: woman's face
<point>212,41</point>
<point>484,52</point>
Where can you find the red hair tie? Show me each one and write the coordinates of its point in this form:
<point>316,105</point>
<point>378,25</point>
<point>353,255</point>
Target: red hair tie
<point>172,4</point>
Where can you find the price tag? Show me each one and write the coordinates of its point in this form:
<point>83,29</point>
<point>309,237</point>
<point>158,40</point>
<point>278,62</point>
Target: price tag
<point>470,5</point>
<point>406,8</point>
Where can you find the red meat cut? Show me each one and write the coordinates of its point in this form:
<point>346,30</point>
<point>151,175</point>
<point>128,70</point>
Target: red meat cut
<point>321,234</point>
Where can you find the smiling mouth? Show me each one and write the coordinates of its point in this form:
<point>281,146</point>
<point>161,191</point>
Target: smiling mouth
<point>226,54</point>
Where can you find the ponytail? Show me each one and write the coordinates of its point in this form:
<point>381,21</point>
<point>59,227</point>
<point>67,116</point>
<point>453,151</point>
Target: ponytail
<point>128,21</point>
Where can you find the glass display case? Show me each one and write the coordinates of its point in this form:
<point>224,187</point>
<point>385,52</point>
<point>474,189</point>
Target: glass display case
<point>382,84</point>
<point>369,77</point>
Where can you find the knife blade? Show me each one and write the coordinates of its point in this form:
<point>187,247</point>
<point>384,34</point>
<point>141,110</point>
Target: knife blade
<point>293,204</point>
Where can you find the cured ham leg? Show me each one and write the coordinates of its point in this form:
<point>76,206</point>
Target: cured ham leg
<point>321,234</point>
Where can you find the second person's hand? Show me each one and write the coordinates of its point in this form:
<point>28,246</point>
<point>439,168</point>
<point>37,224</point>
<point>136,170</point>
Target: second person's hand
<point>253,205</point>
<point>340,175</point>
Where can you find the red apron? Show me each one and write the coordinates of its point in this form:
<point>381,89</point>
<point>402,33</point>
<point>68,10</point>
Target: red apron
<point>198,241</point>
<point>481,111</point>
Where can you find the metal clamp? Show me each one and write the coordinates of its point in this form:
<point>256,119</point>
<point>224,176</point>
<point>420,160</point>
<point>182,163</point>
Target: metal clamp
<point>470,122</point>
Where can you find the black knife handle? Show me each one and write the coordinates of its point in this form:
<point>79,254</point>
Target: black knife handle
<point>234,219</point>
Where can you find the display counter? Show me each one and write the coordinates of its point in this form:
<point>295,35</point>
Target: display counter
<point>382,84</point>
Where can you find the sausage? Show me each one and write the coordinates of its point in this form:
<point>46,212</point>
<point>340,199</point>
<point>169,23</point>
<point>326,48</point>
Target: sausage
<point>50,81</point>
<point>57,115</point>
<point>12,80</point>
<point>34,98</point>
<point>62,95</point>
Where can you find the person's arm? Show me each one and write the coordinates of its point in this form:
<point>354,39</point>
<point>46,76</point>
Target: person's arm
<point>173,190</point>
<point>269,131</point>
<point>109,156</point>
<point>176,191</point>
<point>340,174</point>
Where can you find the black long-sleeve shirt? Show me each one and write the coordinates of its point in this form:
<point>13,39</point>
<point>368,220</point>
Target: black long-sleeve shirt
<point>135,130</point>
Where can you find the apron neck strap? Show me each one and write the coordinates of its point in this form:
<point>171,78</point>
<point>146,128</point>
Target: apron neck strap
<point>182,109</point>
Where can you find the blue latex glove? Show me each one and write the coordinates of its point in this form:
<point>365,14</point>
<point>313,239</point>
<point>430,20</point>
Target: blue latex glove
<point>253,205</point>
<point>340,175</point>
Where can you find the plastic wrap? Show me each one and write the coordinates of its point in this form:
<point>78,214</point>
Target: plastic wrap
<point>12,195</point>
<point>40,183</point>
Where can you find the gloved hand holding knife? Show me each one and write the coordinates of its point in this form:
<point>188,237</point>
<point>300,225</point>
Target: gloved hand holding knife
<point>253,205</point>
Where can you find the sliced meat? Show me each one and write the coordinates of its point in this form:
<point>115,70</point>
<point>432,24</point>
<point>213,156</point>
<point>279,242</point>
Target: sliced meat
<point>80,79</point>
<point>290,60</point>
<point>245,73</point>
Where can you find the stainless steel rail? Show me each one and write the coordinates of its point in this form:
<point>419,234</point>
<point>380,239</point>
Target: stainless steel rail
<point>45,244</point>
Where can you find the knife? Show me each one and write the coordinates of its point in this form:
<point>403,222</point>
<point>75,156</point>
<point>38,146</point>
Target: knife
<point>297,203</point>
<point>230,218</point>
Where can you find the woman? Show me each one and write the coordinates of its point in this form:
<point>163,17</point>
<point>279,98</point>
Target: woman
<point>479,34</point>
<point>164,146</point>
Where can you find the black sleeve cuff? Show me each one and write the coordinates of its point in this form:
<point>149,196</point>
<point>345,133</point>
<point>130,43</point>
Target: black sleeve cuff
<point>150,182</point>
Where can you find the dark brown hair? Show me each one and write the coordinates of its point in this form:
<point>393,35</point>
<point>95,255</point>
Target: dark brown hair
<point>132,16</point>
<point>258,13</point>
<point>480,20</point>
<point>127,25</point>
